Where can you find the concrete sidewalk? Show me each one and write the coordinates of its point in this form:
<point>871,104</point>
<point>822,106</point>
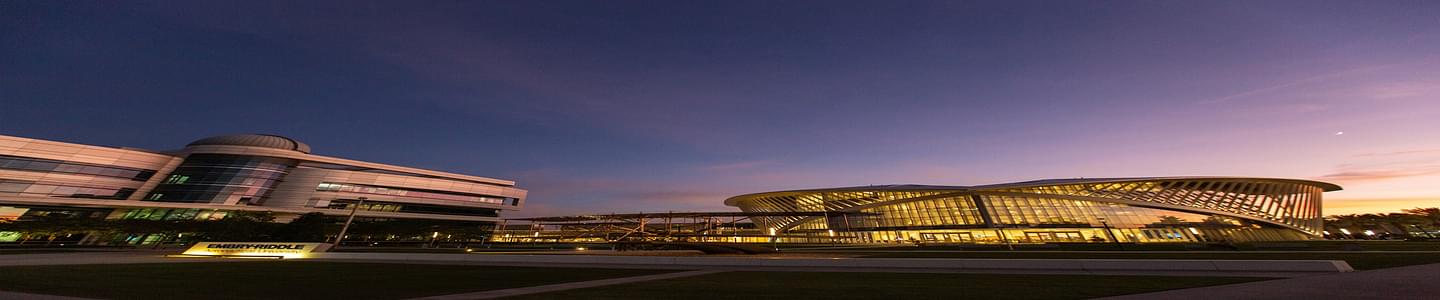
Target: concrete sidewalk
<point>856,269</point>
<point>1412,282</point>
<point>566,286</point>
<point>27,296</point>
<point>808,264</point>
<point>94,258</point>
<point>1200,267</point>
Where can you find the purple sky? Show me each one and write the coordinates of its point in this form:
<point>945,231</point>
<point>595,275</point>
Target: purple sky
<point>622,106</point>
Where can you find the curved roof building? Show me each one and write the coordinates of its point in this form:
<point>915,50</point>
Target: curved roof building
<point>1156,209</point>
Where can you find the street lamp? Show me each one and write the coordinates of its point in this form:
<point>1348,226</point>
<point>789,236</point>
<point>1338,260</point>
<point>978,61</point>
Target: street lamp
<point>345,228</point>
<point>774,240</point>
<point>1111,234</point>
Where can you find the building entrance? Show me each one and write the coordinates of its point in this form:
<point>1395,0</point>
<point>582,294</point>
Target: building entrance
<point>1062,236</point>
<point>960,237</point>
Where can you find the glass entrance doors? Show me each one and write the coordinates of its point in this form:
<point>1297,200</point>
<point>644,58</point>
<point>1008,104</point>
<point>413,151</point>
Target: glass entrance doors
<point>1058,236</point>
<point>960,237</point>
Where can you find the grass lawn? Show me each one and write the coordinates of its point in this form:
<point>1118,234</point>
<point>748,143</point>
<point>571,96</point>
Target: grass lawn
<point>284,280</point>
<point>37,251</point>
<point>1358,260</point>
<point>1369,246</point>
<point>806,285</point>
<point>1331,245</point>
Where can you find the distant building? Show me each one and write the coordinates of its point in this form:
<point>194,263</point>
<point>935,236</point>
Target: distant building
<point>1140,210</point>
<point>214,176</point>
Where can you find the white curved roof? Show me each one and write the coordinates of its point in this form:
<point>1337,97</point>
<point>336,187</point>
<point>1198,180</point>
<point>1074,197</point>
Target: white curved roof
<point>1328,187</point>
<point>254,140</point>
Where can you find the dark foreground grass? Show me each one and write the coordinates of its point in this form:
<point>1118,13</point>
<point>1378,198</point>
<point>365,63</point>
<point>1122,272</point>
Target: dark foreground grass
<point>37,251</point>
<point>284,280</point>
<point>1358,260</point>
<point>807,285</point>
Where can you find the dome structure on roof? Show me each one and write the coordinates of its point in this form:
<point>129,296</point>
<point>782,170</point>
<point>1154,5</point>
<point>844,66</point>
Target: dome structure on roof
<point>254,140</point>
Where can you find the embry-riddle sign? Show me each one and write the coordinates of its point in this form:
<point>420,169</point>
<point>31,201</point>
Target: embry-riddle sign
<point>285,250</point>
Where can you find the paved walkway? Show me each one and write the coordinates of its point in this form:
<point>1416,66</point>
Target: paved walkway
<point>18,296</point>
<point>1023,252</point>
<point>848,269</point>
<point>92,258</point>
<point>566,286</point>
<point>152,257</point>
<point>1412,282</point>
<point>1199,267</point>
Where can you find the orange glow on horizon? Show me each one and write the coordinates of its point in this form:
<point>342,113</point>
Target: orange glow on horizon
<point>1376,206</point>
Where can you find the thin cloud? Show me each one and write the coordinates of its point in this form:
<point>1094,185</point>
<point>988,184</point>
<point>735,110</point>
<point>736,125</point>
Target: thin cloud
<point>744,165</point>
<point>1382,174</point>
<point>1402,90</point>
<point>1297,83</point>
<point>1396,153</point>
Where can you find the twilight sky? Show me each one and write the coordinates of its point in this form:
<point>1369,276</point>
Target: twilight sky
<point>620,106</point>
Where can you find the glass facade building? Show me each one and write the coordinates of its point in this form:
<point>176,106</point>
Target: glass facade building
<point>222,179</point>
<point>223,176</point>
<point>1131,210</point>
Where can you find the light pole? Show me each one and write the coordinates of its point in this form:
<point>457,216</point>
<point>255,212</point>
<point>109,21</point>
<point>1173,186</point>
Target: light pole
<point>1008,245</point>
<point>345,228</point>
<point>774,240</point>
<point>1111,234</point>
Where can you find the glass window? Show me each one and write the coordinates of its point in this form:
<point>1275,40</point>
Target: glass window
<point>42,166</point>
<point>13,186</point>
<point>45,165</point>
<point>215,178</point>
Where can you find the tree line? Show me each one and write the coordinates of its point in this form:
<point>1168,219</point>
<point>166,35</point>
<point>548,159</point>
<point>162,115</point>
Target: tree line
<point>1409,223</point>
<point>236,227</point>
